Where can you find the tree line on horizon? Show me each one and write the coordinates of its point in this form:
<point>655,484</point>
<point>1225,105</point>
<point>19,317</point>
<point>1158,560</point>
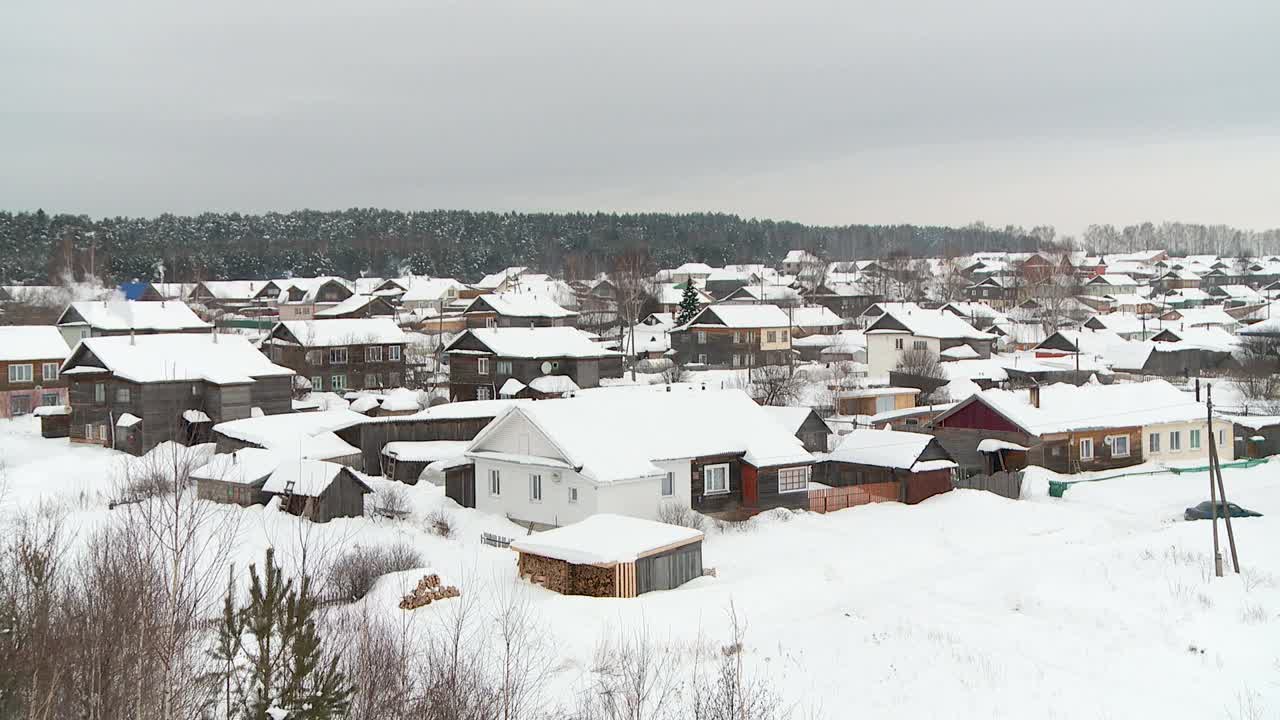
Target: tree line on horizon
<point>36,247</point>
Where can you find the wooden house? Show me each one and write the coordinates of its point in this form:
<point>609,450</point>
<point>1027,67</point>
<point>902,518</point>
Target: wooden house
<point>97,318</point>
<point>1065,428</point>
<point>804,423</point>
<point>886,464</point>
<point>310,436</point>
<point>341,355</point>
<point>854,401</point>
<point>848,300</point>
<point>304,298</point>
<point>131,393</point>
<point>734,336</point>
<point>357,306</point>
<point>517,310</point>
<point>55,420</point>
<point>316,490</point>
<point>405,461</point>
<point>633,451</point>
<point>611,556</point>
<point>31,358</point>
<point>482,360</point>
<point>236,478</point>
<point>236,296</point>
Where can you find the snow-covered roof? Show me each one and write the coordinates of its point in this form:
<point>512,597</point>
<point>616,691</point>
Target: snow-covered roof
<point>511,388</point>
<point>1067,408</point>
<point>401,400</point>
<point>344,331</point>
<point>977,312</point>
<point>425,451</point>
<point>886,448</point>
<point>365,403</point>
<point>235,289</point>
<point>992,445</point>
<point>799,256</point>
<point>217,359</point>
<point>742,316</point>
<point>819,341</point>
<point>1199,317</point>
<point>121,315</point>
<point>553,384</point>
<point>1255,422</point>
<point>790,418</point>
<point>431,289</point>
<point>817,316</point>
<point>127,420</point>
<point>960,352</point>
<point>355,303</point>
<point>32,342</point>
<point>929,323</point>
<point>309,478</point>
<point>195,416</point>
<point>1237,292</point>
<point>767,293</point>
<point>603,539</point>
<point>244,466</point>
<point>669,294</point>
<point>536,342</point>
<point>285,431</point>
<point>44,410</point>
<point>1198,338</point>
<point>1113,279</point>
<point>519,305</point>
<point>617,434</point>
<point>693,268</point>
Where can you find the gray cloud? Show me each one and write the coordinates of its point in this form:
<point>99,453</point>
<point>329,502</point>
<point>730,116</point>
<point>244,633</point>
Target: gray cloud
<point>856,111</point>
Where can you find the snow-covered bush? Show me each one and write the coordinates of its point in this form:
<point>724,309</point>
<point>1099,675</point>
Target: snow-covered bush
<point>353,573</point>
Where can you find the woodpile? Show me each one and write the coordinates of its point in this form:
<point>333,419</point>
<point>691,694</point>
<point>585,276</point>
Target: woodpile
<point>428,590</point>
<point>592,581</point>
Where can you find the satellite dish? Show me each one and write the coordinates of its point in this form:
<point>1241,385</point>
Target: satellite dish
<point>546,367</point>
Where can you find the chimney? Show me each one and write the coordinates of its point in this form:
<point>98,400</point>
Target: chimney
<point>1035,396</point>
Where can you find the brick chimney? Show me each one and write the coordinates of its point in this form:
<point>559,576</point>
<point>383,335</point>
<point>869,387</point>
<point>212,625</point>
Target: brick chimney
<point>1035,396</point>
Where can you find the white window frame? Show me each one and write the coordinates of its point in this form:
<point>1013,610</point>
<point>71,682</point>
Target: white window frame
<point>702,358</point>
<point>736,360</point>
<point>707,471</point>
<point>1153,442</point>
<point>803,470</point>
<point>737,337</point>
<point>1193,439</point>
<point>535,487</point>
<point>573,495</point>
<point>700,337</point>
<point>668,488</point>
<point>337,383</point>
<point>919,345</point>
<point>100,392</point>
<point>338,356</point>
<point>482,366</point>
<point>314,357</point>
<point>1222,436</point>
<point>898,344</point>
<point>1111,442</point>
<point>491,322</point>
<point>393,353</point>
<point>17,377</point>
<point>504,367</point>
<point>373,353</point>
<point>772,336</point>
<point>49,372</point>
<point>495,482</point>
<point>1175,441</point>
<point>317,383</point>
<point>123,395</point>
<point>371,380</point>
<point>1086,443</point>
<point>484,392</point>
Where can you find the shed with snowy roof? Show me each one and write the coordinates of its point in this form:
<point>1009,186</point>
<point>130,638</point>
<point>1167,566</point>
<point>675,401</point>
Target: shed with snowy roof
<point>888,465</point>
<point>610,555</point>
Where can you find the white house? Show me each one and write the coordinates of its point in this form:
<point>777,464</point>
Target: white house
<point>898,331</point>
<point>629,451</point>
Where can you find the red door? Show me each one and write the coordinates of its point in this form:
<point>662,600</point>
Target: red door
<point>750,486</point>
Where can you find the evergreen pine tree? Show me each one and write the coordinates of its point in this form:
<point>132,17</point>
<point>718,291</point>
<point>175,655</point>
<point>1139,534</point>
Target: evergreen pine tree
<point>689,305</point>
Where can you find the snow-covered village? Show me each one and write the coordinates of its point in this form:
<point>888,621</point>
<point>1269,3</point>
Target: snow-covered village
<point>574,361</point>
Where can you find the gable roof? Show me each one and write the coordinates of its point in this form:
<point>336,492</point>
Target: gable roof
<point>604,539</point>
<point>421,289</point>
<point>217,359</point>
<point>308,477</point>
<point>740,316</point>
<point>340,331</point>
<point>927,323</point>
<point>121,315</point>
<point>614,435</point>
<point>536,342</point>
<point>32,342</point>
<point>519,305</point>
<point>887,448</point>
<point>354,304</point>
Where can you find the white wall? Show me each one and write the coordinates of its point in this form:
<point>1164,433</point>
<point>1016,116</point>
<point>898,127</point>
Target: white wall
<point>514,500</point>
<point>882,353</point>
<point>1226,442</point>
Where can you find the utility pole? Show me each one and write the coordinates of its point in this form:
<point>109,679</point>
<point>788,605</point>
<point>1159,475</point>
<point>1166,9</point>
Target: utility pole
<point>1218,491</point>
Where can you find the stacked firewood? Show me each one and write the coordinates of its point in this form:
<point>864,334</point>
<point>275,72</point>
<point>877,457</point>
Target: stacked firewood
<point>428,590</point>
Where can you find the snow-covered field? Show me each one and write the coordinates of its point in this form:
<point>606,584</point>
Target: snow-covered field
<point>1100,604</point>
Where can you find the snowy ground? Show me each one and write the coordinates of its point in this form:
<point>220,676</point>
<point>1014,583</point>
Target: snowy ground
<point>1099,604</point>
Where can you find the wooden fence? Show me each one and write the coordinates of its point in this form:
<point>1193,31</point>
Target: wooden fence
<point>495,540</point>
<point>1005,484</point>
<point>838,498</point>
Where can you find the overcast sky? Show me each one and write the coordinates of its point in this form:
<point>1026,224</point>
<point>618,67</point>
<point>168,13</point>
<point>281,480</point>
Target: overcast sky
<point>1009,111</point>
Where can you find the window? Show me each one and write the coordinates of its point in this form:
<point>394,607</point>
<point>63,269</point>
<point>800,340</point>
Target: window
<point>702,358</point>
<point>122,395</point>
<point>484,392</point>
<point>393,353</point>
<point>99,392</point>
<point>782,334</point>
<point>736,359</point>
<point>373,353</point>
<point>1175,441</point>
<point>393,379</point>
<point>317,382</point>
<point>535,488</point>
<point>88,431</point>
<point>737,337</point>
<point>49,399</point>
<point>793,479</point>
<point>573,495</point>
<point>19,405</point>
<point>700,336</point>
<point>338,356</point>
<point>1119,445</point>
<point>1086,448</point>
<point>49,372</point>
<point>1222,437</point>
<point>491,322</point>
<point>669,484</point>
<point>919,345</point>
<point>195,390</point>
<point>371,380</point>
<point>20,373</point>
<point>1195,439</point>
<point>772,336</point>
<point>1153,442</point>
<point>315,357</point>
<point>715,479</point>
<point>337,383</point>
<point>897,343</point>
<point>482,366</point>
<point>504,367</point>
<point>495,483</point>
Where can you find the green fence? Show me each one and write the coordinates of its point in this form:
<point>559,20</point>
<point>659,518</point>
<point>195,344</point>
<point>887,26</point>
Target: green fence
<point>1058,487</point>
